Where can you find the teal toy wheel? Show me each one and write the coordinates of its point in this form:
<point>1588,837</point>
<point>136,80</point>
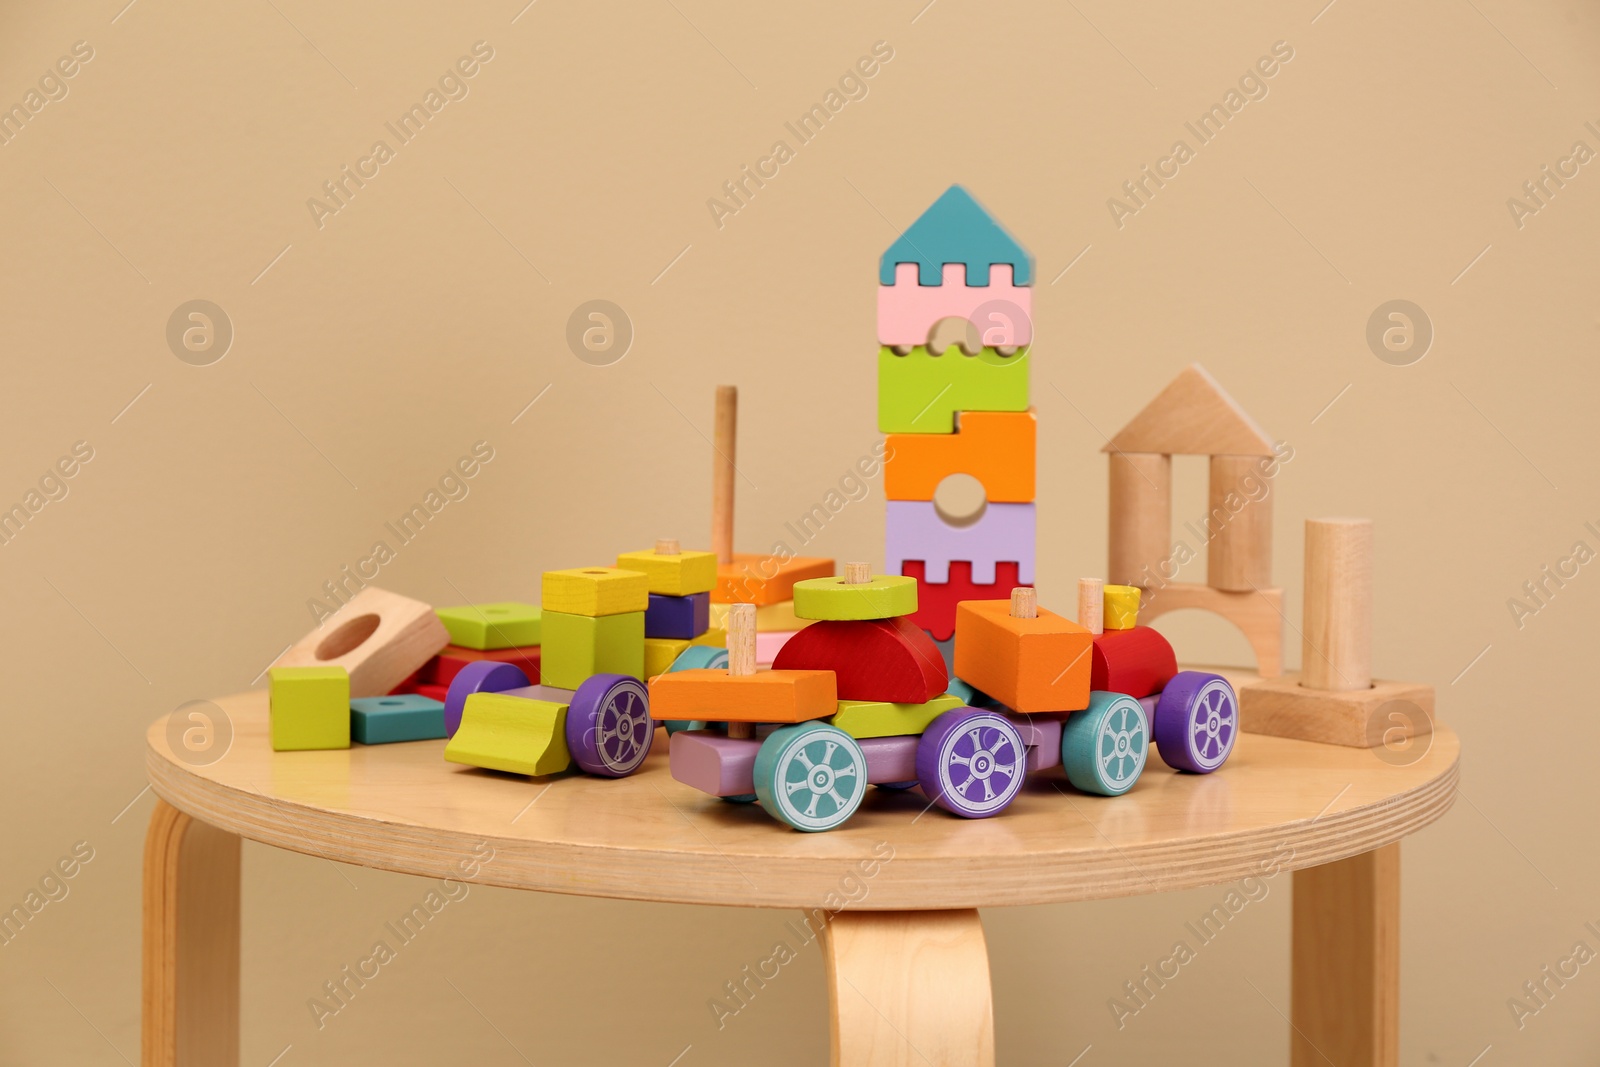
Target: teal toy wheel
<point>811,776</point>
<point>1104,747</point>
<point>694,657</point>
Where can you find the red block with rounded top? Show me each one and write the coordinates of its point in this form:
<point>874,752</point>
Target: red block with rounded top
<point>1137,662</point>
<point>873,659</point>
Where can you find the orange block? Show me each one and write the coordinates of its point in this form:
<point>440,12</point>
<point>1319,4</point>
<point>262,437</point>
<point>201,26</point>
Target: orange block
<point>1028,665</point>
<point>762,580</point>
<point>768,696</point>
<point>998,448</point>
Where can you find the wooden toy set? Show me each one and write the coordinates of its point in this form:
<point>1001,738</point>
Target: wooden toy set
<point>777,681</point>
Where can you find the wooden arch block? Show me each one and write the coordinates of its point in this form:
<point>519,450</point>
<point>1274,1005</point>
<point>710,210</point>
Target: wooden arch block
<point>873,659</point>
<point>998,448</point>
<point>380,638</point>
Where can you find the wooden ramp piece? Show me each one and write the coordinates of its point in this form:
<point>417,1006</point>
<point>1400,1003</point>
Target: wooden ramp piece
<point>1192,416</point>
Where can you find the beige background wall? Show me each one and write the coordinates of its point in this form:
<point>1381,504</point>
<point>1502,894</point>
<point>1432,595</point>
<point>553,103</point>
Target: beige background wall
<point>425,315</point>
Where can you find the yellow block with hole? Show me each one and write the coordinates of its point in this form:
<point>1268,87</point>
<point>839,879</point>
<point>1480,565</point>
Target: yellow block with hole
<point>1121,607</point>
<point>679,575</point>
<point>770,618</point>
<point>595,591</point>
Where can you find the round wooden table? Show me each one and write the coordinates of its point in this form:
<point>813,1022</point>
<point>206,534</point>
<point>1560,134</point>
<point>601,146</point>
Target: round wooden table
<point>893,894</point>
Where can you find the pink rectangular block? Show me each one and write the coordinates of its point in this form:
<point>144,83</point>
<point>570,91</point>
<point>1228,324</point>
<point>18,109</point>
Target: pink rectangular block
<point>768,642</point>
<point>890,759</point>
<point>913,530</point>
<point>713,763</point>
<point>1000,313</point>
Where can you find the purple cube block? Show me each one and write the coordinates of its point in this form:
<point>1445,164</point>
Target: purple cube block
<point>680,617</point>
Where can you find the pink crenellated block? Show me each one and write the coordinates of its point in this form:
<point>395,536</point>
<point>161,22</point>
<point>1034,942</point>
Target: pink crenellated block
<point>1000,312</point>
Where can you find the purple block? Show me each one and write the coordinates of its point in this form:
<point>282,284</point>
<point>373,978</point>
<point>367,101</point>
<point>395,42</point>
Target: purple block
<point>890,759</point>
<point>679,617</point>
<point>714,763</point>
<point>913,530</point>
<point>1043,738</point>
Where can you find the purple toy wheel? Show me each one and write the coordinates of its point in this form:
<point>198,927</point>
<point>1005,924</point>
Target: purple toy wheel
<point>1197,720</point>
<point>970,762</point>
<point>483,676</point>
<point>608,725</point>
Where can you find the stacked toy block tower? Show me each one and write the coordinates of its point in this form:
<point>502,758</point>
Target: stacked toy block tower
<point>963,410</point>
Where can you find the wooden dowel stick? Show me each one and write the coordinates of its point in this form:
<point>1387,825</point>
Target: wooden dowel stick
<point>1336,651</point>
<point>668,546</point>
<point>1092,604</point>
<point>857,574</point>
<point>724,440</point>
<point>1024,603</point>
<point>741,655</point>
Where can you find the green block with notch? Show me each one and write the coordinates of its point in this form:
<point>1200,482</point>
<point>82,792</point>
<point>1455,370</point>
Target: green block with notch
<point>308,708</point>
<point>879,718</point>
<point>510,733</point>
<point>484,627</point>
<point>920,392</point>
<point>577,647</point>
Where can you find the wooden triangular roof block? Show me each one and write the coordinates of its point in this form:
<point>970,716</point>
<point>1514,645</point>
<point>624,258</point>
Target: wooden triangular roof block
<point>1192,416</point>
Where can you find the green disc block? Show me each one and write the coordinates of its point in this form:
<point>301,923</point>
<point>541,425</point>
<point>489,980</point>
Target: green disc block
<point>1104,747</point>
<point>880,718</point>
<point>398,717</point>
<point>811,776</point>
<point>309,708</point>
<point>489,626</point>
<point>883,596</point>
<point>921,393</point>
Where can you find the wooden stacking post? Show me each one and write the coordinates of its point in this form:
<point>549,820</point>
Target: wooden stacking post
<point>857,574</point>
<point>1141,515</point>
<point>1024,603</point>
<point>723,444</point>
<point>741,654</point>
<point>1092,604</point>
<point>668,546</point>
<point>1336,650</point>
<point>1239,556</point>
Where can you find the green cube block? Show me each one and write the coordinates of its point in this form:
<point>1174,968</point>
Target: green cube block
<point>880,718</point>
<point>309,708</point>
<point>398,717</point>
<point>510,733</point>
<point>579,646</point>
<point>489,626</point>
<point>921,393</point>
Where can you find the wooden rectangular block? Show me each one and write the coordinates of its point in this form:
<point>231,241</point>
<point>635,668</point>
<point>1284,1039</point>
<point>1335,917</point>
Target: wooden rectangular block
<point>1258,615</point>
<point>579,646</point>
<point>595,591</point>
<point>890,759</point>
<point>770,696</point>
<point>482,627</point>
<point>761,580</point>
<point>501,732</point>
<point>913,530</point>
<point>659,652</point>
<point>879,718</point>
<point>776,617</point>
<point>380,638</point>
<point>1001,313</point>
<point>443,668</point>
<point>682,617</point>
<point>920,392</point>
<point>308,708</point>
<point>998,448</point>
<point>1384,715</point>
<point>713,762</point>
<point>1039,664</point>
<point>682,574</point>
<point>399,717</point>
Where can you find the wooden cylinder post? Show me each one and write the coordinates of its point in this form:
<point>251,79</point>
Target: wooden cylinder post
<point>1336,650</point>
<point>1024,603</point>
<point>1092,604</point>
<point>1239,555</point>
<point>1141,516</point>
<point>857,574</point>
<point>668,546</point>
<point>741,654</point>
<point>723,445</point>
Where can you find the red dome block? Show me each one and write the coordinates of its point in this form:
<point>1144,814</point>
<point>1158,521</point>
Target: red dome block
<point>936,601</point>
<point>1137,662</point>
<point>873,659</point>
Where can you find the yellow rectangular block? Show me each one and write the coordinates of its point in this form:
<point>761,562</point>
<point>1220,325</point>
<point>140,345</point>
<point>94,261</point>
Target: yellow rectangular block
<point>716,637</point>
<point>659,652</point>
<point>770,618</point>
<point>673,575</point>
<point>595,591</point>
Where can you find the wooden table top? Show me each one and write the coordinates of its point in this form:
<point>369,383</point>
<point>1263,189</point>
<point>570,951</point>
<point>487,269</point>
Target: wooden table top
<point>1276,805</point>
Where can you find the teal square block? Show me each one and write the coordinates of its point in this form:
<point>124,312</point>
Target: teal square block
<point>398,717</point>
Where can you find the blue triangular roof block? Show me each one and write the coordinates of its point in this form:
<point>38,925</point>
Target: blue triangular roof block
<point>956,229</point>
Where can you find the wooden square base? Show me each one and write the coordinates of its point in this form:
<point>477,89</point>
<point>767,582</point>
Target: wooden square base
<point>1283,707</point>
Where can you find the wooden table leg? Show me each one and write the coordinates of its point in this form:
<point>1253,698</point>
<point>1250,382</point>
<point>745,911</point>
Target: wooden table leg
<point>909,988</point>
<point>1345,969</point>
<point>191,943</point>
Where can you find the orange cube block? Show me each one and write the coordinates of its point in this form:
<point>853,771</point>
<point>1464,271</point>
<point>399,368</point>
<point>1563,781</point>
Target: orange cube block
<point>763,580</point>
<point>999,448</point>
<point>1029,665</point>
<point>714,695</point>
